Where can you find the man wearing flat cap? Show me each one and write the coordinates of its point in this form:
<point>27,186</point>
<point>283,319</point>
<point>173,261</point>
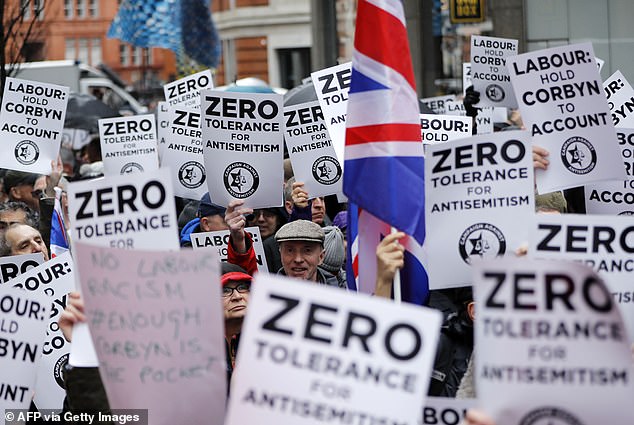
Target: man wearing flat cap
<point>302,251</point>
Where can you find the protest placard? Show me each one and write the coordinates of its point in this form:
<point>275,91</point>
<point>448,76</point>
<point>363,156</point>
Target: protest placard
<point>332,86</point>
<point>22,331</point>
<point>615,196</point>
<point>183,153</point>
<point>552,346</point>
<point>483,121</point>
<point>600,63</point>
<point>445,410</point>
<point>157,327</point>
<point>162,128</point>
<point>51,281</point>
<point>477,190</point>
<point>310,354</point>
<point>437,103</point>
<point>602,242</point>
<point>185,92</point>
<point>219,240</point>
<point>243,147</point>
<point>466,77</point>
<point>311,150</point>
<point>15,265</point>
<point>620,95</point>
<point>443,128</point>
<point>128,144</point>
<point>488,70</point>
<point>117,212</point>
<point>563,106</point>
<point>31,123</point>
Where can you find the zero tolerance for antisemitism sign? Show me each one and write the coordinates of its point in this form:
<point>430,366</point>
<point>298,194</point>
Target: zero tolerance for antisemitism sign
<point>243,147</point>
<point>31,123</point>
<point>552,347</point>
<point>311,151</point>
<point>563,105</point>
<point>157,327</point>
<point>128,144</point>
<point>185,92</point>
<point>312,355</point>
<point>615,196</point>
<point>488,70</point>
<point>477,190</point>
<point>183,153</point>
<point>603,242</point>
<point>117,212</point>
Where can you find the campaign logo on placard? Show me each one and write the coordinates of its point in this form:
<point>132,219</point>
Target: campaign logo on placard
<point>131,167</point>
<point>241,180</point>
<point>550,416</point>
<point>26,152</point>
<point>326,170</point>
<point>626,213</point>
<point>495,93</point>
<point>578,155</point>
<point>481,240</point>
<point>192,174</point>
<point>58,371</point>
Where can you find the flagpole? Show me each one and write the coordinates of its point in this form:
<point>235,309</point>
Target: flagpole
<point>396,283</point>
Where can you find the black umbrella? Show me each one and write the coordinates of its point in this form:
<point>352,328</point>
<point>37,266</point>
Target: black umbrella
<point>84,111</point>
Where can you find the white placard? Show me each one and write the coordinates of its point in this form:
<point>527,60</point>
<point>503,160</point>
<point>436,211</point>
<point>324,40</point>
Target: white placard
<point>243,147</point>
<point>186,91</point>
<point>311,151</point>
<point>615,196</point>
<point>488,70</point>
<point>219,240</point>
<point>602,242</point>
<point>163,309</point>
<point>51,281</point>
<point>128,144</point>
<point>466,77</point>
<point>183,153</point>
<point>437,103</point>
<point>31,123</point>
<point>477,190</point>
<point>551,345</point>
<point>483,121</point>
<point>15,265</point>
<point>600,63</point>
<point>445,410</point>
<point>23,335</point>
<point>620,95</point>
<point>332,86</point>
<point>436,129</point>
<point>162,128</point>
<point>563,106</point>
<point>126,213</point>
<point>330,351</point>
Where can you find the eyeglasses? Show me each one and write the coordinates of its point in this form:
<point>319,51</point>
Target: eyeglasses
<point>6,224</point>
<point>242,288</point>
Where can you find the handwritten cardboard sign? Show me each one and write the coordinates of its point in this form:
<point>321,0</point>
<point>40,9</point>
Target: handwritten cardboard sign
<point>157,327</point>
<point>330,353</point>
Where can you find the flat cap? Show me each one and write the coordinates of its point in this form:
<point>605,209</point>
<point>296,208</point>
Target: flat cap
<point>300,230</point>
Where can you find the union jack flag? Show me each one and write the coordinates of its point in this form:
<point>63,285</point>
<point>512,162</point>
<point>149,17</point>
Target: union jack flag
<point>59,239</point>
<point>384,164</point>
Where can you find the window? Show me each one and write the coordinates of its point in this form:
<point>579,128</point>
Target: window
<point>95,51</point>
<point>70,52</point>
<point>136,56</point>
<point>93,8</point>
<point>38,9</point>
<point>68,9</point>
<point>124,55</point>
<point>83,51</point>
<point>294,66</point>
<point>81,8</point>
<point>149,56</point>
<point>26,6</point>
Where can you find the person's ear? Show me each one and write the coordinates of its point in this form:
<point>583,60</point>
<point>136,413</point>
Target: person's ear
<point>322,255</point>
<point>471,310</point>
<point>204,224</point>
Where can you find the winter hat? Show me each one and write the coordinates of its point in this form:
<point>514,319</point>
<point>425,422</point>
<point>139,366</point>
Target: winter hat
<point>333,249</point>
<point>341,220</point>
<point>233,273</point>
<point>300,230</point>
<point>207,208</point>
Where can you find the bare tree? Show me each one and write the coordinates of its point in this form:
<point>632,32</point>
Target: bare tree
<point>20,23</point>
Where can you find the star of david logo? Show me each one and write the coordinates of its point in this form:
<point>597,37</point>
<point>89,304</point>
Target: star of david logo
<point>325,171</point>
<point>479,245</point>
<point>189,174</point>
<point>24,152</point>
<point>576,155</point>
<point>238,180</point>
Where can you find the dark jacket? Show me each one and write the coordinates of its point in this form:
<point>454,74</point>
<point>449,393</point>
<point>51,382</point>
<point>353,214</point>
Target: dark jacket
<point>186,234</point>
